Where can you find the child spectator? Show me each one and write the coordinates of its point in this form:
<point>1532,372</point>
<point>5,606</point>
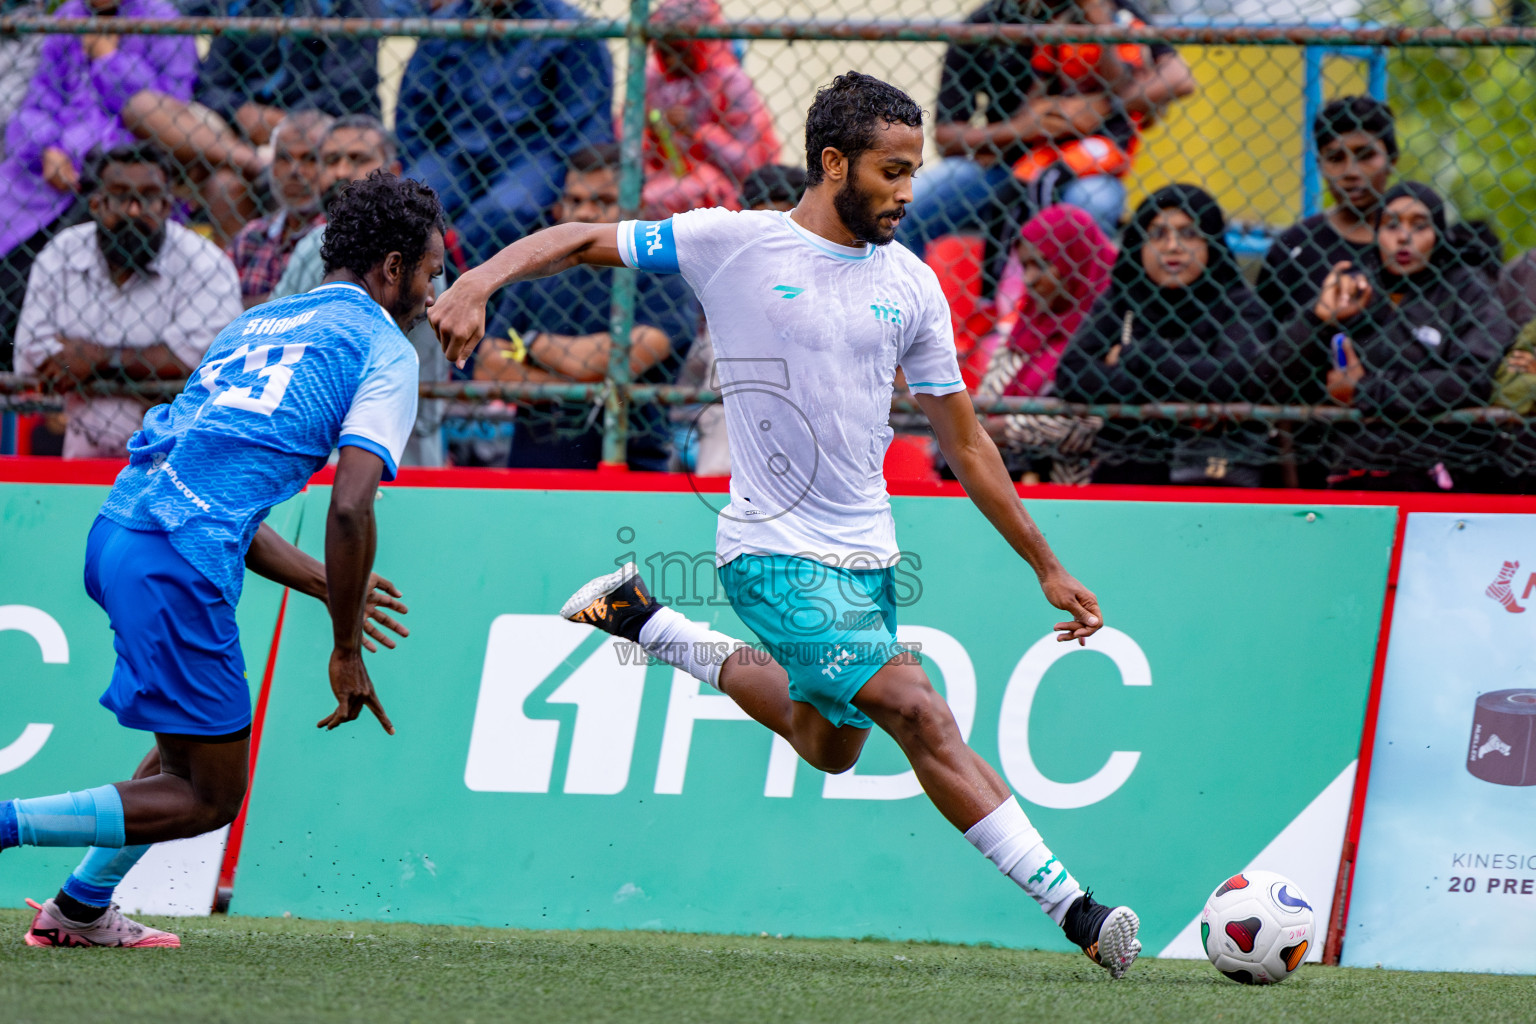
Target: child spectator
<point>1178,324</point>
<point>1059,267</point>
<point>708,127</point>
<point>1412,333</point>
<point>1356,152</point>
<point>489,123</point>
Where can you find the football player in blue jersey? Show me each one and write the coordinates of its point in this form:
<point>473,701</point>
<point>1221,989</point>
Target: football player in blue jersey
<point>281,387</point>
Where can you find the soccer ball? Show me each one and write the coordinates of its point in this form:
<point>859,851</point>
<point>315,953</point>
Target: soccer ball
<point>1257,927</point>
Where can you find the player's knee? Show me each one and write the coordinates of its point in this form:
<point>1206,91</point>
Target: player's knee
<point>835,760</point>
<point>919,715</point>
<point>215,810</point>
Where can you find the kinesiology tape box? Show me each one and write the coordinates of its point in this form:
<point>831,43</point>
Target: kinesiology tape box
<point>1503,747</point>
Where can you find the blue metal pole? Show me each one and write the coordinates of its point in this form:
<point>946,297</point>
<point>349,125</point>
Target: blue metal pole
<point>1311,178</point>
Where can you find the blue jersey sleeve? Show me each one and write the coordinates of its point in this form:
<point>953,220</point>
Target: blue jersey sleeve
<point>648,245</point>
<point>383,411</point>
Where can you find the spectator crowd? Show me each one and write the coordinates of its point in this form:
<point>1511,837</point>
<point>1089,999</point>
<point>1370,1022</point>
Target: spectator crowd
<point>153,194</point>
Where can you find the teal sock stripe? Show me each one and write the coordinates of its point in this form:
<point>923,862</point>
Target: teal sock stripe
<point>92,817</point>
<point>98,875</point>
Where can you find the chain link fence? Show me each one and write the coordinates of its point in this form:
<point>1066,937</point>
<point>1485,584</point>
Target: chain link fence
<point>1207,242</point>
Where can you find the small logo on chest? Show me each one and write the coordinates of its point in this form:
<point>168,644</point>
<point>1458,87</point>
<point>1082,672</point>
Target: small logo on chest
<point>886,311</point>
<point>787,291</point>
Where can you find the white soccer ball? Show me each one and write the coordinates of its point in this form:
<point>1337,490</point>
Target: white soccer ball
<point>1257,927</point>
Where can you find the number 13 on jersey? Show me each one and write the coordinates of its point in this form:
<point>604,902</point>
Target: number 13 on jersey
<point>274,377</point>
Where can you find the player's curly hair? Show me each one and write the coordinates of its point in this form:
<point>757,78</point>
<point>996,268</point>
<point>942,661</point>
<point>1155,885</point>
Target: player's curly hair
<point>379,215</point>
<point>848,114</point>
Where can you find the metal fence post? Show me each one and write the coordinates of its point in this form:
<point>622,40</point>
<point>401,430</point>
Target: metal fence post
<point>631,179</point>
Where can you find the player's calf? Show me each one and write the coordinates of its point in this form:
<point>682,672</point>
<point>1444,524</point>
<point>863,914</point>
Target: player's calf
<point>619,603</point>
<point>968,792</point>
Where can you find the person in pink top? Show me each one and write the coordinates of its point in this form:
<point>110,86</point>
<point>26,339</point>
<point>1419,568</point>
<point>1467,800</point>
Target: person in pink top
<point>1060,265</point>
<point>707,128</point>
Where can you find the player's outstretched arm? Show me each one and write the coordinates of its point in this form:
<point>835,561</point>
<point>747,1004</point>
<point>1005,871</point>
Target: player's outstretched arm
<point>349,547</point>
<point>980,470</point>
<point>458,315</point>
<point>279,561</point>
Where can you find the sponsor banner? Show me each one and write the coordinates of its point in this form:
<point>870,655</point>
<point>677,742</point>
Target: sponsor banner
<point>544,776</point>
<point>56,659</point>
<point>1445,877</point>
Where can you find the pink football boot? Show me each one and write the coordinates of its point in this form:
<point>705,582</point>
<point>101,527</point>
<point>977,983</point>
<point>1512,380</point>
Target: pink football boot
<point>113,928</point>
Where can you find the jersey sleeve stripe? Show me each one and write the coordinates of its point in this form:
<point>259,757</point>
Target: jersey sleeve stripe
<point>368,444</point>
<point>935,384</point>
<point>627,243</point>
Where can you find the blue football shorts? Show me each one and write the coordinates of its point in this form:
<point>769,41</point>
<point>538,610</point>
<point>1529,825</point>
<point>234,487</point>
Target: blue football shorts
<point>179,667</point>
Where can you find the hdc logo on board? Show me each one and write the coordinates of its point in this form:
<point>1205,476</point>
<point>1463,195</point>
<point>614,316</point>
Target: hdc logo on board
<point>54,648</point>
<point>509,752</point>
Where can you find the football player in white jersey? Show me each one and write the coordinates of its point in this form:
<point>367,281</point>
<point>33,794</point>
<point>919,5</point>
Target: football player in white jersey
<point>812,313</point>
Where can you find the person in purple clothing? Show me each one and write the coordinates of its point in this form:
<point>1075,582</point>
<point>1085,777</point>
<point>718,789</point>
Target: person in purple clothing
<point>97,92</point>
<point>75,104</point>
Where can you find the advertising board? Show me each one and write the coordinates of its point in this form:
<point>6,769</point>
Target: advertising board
<point>543,776</point>
<point>1445,877</point>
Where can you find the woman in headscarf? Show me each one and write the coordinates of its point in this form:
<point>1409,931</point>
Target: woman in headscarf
<point>1059,266</point>
<point>1178,324</point>
<point>1414,333</point>
<point>707,128</point>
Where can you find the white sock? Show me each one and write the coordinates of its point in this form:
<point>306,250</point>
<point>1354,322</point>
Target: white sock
<point>1007,839</point>
<point>690,646</point>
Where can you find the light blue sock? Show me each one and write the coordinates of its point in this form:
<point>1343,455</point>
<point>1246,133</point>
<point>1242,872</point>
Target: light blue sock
<point>92,817</point>
<point>93,882</point>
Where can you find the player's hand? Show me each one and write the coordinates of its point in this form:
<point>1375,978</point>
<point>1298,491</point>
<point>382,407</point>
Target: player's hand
<point>458,317</point>
<point>354,691</point>
<point>1064,592</point>
<point>382,594</point>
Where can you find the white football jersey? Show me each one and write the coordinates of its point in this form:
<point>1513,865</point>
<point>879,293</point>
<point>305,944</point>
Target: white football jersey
<point>808,335</point>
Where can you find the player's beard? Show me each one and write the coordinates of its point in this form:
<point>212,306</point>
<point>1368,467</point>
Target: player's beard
<point>856,209</point>
<point>409,311</point>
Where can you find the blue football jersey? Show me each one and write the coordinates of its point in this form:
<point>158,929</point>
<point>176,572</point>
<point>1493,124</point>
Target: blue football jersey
<point>279,388</point>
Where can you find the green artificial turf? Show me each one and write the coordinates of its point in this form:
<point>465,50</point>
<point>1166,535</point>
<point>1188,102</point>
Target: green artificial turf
<point>259,969</point>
